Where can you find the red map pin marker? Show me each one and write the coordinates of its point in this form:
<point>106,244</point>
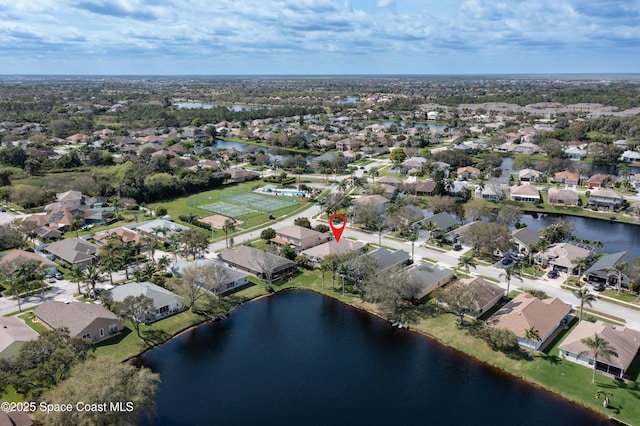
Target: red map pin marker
<point>337,230</point>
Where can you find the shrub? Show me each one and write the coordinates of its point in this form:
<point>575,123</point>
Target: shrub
<point>500,339</point>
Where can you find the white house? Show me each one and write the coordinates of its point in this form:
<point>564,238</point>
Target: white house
<point>630,156</point>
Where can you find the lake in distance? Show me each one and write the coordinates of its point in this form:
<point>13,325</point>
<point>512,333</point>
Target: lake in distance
<point>300,358</point>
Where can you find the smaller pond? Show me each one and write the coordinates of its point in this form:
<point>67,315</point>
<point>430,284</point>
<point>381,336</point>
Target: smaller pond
<point>190,105</point>
<point>615,237</point>
<point>245,147</point>
<point>585,170</point>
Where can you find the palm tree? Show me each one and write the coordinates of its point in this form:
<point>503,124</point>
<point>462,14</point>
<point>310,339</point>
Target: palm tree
<point>77,275</point>
<point>413,237</point>
<point>228,226</point>
<point>618,269</point>
<point>606,397</point>
<point>373,174</point>
<point>532,334</point>
<point>467,262</point>
<point>152,245</point>
<point>510,272</point>
<point>343,185</point>
<point>344,270</point>
<point>93,275</point>
<point>599,347</point>
<point>585,297</point>
<point>431,228</point>
<point>583,263</point>
<point>163,263</point>
<point>76,222</point>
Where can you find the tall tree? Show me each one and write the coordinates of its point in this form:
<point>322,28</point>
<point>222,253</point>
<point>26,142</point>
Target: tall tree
<point>509,273</point>
<point>532,334</point>
<point>467,262</point>
<point>93,275</point>
<point>193,242</point>
<point>137,309</point>
<point>228,226</point>
<point>585,297</point>
<point>109,382</point>
<point>599,347</point>
<point>460,298</point>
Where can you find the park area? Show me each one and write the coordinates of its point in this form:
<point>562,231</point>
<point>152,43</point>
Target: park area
<point>236,201</point>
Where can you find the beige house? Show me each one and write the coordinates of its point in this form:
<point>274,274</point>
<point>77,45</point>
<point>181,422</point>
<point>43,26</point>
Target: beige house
<point>86,320</point>
<point>299,237</point>
<point>605,198</point>
<point>562,257</point>
<point>567,178</point>
<point>625,341</point>
<point>525,193</point>
<point>317,253</point>
<point>13,334</point>
<point>526,312</point>
<point>563,197</point>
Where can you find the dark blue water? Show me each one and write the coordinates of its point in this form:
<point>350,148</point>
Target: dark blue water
<point>246,147</point>
<point>616,237</point>
<point>299,358</point>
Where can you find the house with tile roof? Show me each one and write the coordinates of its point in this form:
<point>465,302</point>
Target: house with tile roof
<point>525,312</point>
<point>564,197</point>
<point>562,257</point>
<point>87,320</point>
<point>317,253</point>
<point>253,261</point>
<point>525,193</point>
<point>486,294</point>
<point>10,261</point>
<point>623,340</point>
<point>566,178</point>
<point>600,180</point>
<point>299,237</point>
<point>605,199</point>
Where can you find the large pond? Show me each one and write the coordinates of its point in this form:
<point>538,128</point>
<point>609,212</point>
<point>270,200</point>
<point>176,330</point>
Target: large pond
<point>615,237</point>
<point>299,358</point>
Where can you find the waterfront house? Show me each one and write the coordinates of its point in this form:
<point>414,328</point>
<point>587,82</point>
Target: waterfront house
<point>623,340</point>
<point>430,277</point>
<point>562,257</point>
<point>86,320</point>
<point>13,334</point>
<point>527,312</point>
<point>165,302</point>
<point>601,181</point>
<point>231,278</point>
<point>299,237</point>
<point>525,193</point>
<point>258,262</point>
<point>524,239</point>
<point>605,199</point>
<point>566,178</point>
<point>630,156</point>
<point>606,270</point>
<point>486,294</point>
<point>565,197</point>
<point>491,192</point>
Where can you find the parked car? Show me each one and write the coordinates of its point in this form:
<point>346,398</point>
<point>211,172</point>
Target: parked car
<point>457,247</point>
<point>553,274</point>
<point>599,286</point>
<point>58,276</point>
<point>51,280</point>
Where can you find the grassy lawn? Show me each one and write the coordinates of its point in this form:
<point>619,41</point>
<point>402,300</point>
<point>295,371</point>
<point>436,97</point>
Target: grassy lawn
<point>624,297</point>
<point>29,319</point>
<point>184,206</point>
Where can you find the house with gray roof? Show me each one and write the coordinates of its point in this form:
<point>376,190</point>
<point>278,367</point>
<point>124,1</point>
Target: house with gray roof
<point>13,334</point>
<point>299,237</point>
<point>165,302</point>
<point>73,251</point>
<point>606,271</point>
<point>523,239</point>
<point>567,197</point>
<point>486,294</point>
<point>563,257</point>
<point>430,277</point>
<point>387,259</point>
<point>161,228</point>
<point>86,320</point>
<point>605,198</point>
<point>525,193</point>
<point>444,221</point>
<point>317,253</point>
<point>233,278</point>
<point>258,262</point>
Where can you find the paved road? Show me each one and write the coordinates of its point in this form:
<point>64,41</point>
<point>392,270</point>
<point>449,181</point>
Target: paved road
<point>64,290</point>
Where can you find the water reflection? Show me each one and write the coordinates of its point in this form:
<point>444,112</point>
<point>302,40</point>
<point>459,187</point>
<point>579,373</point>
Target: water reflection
<point>301,358</point>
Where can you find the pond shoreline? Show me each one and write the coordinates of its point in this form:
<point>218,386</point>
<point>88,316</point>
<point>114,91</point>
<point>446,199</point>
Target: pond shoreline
<point>498,370</point>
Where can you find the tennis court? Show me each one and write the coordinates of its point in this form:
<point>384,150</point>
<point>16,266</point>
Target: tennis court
<point>263,203</point>
<point>227,209</point>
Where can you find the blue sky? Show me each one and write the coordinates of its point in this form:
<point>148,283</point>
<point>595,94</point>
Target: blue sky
<point>228,37</point>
